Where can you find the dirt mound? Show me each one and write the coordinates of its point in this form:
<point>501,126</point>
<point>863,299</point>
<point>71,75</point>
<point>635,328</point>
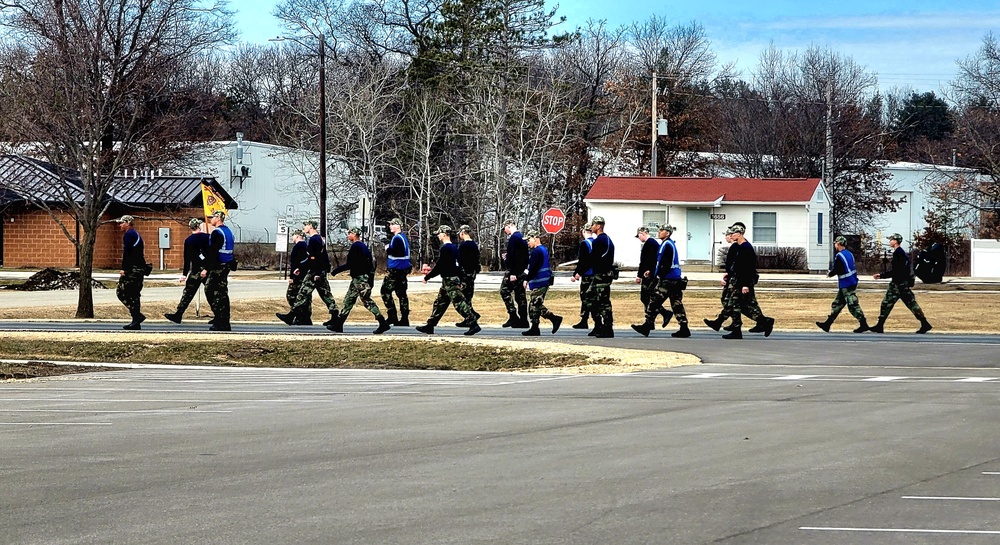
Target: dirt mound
<point>52,279</point>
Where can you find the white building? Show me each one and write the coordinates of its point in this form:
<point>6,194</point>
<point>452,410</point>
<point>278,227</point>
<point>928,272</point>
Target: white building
<point>777,212</point>
<point>913,185</point>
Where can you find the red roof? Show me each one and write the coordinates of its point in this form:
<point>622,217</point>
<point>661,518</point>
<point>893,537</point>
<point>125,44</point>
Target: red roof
<point>703,190</point>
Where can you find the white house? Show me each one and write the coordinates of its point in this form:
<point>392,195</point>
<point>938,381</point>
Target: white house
<point>912,185</point>
<point>777,212</point>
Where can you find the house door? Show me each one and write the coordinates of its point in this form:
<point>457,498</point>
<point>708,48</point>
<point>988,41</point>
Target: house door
<point>699,234</point>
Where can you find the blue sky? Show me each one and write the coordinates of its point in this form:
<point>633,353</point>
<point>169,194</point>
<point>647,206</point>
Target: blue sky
<point>907,43</point>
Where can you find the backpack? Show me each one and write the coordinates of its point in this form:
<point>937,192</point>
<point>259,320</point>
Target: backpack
<point>930,264</point>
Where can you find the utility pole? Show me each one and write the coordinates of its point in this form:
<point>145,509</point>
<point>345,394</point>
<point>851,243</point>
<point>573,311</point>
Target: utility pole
<point>322,135</point>
<point>652,136</point>
<point>828,167</point>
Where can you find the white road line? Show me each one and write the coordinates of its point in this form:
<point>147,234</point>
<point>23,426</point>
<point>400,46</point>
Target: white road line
<point>55,423</point>
<point>793,377</point>
<point>882,379</point>
<point>104,411</point>
<point>976,379</point>
<point>948,498</point>
<point>901,530</point>
<point>705,375</point>
<point>991,473</point>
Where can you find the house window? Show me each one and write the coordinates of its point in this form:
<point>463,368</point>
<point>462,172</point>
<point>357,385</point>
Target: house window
<point>653,219</point>
<point>765,227</point>
<point>819,228</point>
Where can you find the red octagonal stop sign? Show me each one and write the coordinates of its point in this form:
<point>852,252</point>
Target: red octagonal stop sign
<point>553,221</point>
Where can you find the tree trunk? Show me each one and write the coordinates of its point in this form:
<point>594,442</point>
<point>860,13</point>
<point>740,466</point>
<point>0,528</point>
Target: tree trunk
<point>85,303</point>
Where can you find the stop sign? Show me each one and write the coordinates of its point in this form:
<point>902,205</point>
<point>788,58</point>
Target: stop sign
<point>553,221</point>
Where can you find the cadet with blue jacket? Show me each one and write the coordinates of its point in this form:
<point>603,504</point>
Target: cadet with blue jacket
<point>537,280</point>
<point>669,285</point>
<point>398,267</point>
<point>451,286</point>
<point>219,260</point>
<point>847,285</point>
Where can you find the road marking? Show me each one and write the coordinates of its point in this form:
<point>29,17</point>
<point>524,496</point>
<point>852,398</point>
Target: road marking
<point>794,377</point>
<point>705,375</point>
<point>93,411</point>
<point>883,379</point>
<point>948,498</point>
<point>976,379</point>
<point>901,530</point>
<point>55,423</point>
<point>991,473</point>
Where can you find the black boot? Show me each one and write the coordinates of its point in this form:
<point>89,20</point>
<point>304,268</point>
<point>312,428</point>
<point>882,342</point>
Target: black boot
<point>768,326</point>
<point>464,323</point>
<point>606,332</point>
<point>644,328</point>
<point>533,331</point>
<point>862,326</point>
<point>556,322</point>
<point>511,320</point>
<point>383,325</point>
<point>522,317</point>
<point>825,326</point>
<point>925,326</point>
<point>682,333</point>
<point>667,315</point>
<point>715,324</point>
<point>878,327</point>
<point>132,326</point>
<point>334,316</point>
<point>391,317</point>
<point>428,329</point>
<point>736,333</point>
<point>597,327</point>
<point>759,326</point>
<point>404,319</point>
<point>288,318</point>
<point>582,324</point>
<point>302,319</point>
<point>473,329</point>
<point>336,323</point>
<point>224,326</point>
<point>733,325</point>
<point>174,317</point>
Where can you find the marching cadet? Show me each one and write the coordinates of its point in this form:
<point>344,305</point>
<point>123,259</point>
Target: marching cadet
<point>218,262</point>
<point>362,268</point>
<point>743,298</point>
<point>647,262</point>
<point>195,247</point>
<point>847,285</point>
<point>314,272</point>
<point>469,262</point>
<point>512,287</point>
<point>296,267</point>
<point>537,280</point>
<point>585,274</point>
<point>398,267</point>
<point>130,277</point>
<point>599,294</point>
<point>669,284</point>
<point>451,286</point>
<point>728,285</point>
<point>899,287</point>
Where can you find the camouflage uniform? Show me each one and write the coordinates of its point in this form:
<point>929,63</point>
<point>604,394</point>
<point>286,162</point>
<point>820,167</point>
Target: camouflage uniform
<point>667,289</point>
<point>897,291</point>
<point>129,290</point>
<point>395,281</point>
<point>730,302</point>
<point>745,303</point>
<point>217,294</point>
<point>450,292</point>
<point>586,283</point>
<point>319,283</point>
<point>848,297</point>
<point>536,308</point>
<point>191,285</point>
<point>598,298</point>
<point>360,288</point>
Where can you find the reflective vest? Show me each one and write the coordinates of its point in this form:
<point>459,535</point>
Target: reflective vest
<point>226,253</point>
<point>590,255</point>
<point>675,265</point>
<point>541,279</point>
<point>400,262</point>
<point>849,278</point>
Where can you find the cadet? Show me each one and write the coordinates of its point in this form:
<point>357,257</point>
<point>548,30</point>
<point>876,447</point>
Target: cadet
<point>362,269</point>
<point>647,262</point>
<point>669,285</point>
<point>599,294</point>
<point>218,262</point>
<point>195,247</point>
<point>538,279</point>
<point>743,297</point>
<point>451,286</point>
<point>899,287</point>
<point>847,284</point>
<point>728,285</point>
<point>314,272</point>
<point>585,274</point>
<point>398,266</point>
<point>130,277</point>
<point>512,286</point>
<point>469,260</point>
<point>297,262</point>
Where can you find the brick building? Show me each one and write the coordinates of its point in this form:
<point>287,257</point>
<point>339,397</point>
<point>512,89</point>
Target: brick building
<point>27,207</point>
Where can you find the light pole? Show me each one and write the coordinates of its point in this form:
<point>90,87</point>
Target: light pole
<point>322,125</point>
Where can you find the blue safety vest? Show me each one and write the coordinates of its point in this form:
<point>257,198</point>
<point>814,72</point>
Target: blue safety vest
<point>675,266</point>
<point>849,278</point>
<point>590,255</point>
<point>544,273</point>
<point>401,262</point>
<point>226,253</point>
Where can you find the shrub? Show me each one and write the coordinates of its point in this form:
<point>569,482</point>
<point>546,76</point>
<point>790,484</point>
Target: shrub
<point>774,257</point>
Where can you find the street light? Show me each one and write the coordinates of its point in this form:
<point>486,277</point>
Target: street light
<point>322,125</point>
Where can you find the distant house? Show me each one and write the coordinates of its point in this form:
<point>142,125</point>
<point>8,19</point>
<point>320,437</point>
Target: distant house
<point>777,212</point>
<point>30,237</point>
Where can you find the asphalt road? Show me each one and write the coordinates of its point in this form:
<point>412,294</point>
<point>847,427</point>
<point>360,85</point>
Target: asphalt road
<point>801,438</point>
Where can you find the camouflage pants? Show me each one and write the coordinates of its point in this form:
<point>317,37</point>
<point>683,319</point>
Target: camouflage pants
<point>217,294</point>
<point>896,292</point>
<point>469,287</point>
<point>742,302</point>
<point>729,303</point>
<point>513,295</point>
<point>450,293</point>
<point>598,299</point>
<point>585,282</point>
<point>536,308</point>
<point>360,288</point>
<point>647,286</point>
<point>191,285</point>
<point>129,291</point>
<point>395,281</point>
<point>321,285</point>
<point>846,297</point>
<point>667,289</point>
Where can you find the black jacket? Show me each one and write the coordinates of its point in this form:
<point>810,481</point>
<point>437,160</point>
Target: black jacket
<point>447,263</point>
<point>899,267</point>
<point>195,246</point>
<point>133,251</point>
<point>603,256</point>
<point>319,259</point>
<point>298,260</point>
<point>583,259</point>
<point>647,257</point>
<point>468,258</point>
<point>517,254</point>
<point>745,267</point>
<point>359,260</point>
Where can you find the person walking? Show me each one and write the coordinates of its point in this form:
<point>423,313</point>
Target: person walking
<point>398,267</point>
<point>847,285</point>
<point>132,273</point>
<point>219,261</point>
<point>297,261</point>
<point>900,279</point>
<point>469,261</point>
<point>584,273</point>
<point>669,284</point>
<point>362,269</point>
<point>728,285</point>
<point>644,276</point>
<point>512,286</point>
<point>743,298</point>
<point>599,294</point>
<point>195,247</point>
<point>451,286</point>
<point>314,272</point>
<point>537,280</point>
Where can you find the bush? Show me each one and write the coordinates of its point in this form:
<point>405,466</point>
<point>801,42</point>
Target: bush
<point>256,256</point>
<point>792,258</point>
